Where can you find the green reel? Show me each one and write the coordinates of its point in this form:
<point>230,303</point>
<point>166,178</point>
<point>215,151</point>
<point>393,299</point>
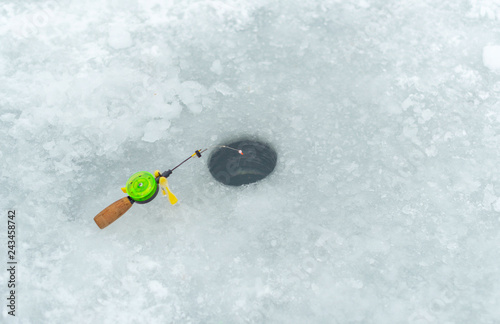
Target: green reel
<point>141,187</point>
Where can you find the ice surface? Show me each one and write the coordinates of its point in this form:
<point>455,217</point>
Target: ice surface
<point>383,208</point>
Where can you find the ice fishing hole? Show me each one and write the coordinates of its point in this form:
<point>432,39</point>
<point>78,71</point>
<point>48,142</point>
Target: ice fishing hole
<point>231,168</point>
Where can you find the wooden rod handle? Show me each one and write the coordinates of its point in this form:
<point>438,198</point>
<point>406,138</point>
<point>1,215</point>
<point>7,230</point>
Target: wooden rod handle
<point>113,212</point>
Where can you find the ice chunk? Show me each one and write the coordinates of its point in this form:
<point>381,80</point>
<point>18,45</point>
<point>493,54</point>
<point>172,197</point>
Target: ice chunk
<point>191,93</point>
<point>223,89</point>
<point>155,130</point>
<point>216,67</point>
<point>119,37</point>
<point>158,289</point>
<point>195,108</point>
<point>8,117</point>
<point>491,57</point>
<point>173,110</point>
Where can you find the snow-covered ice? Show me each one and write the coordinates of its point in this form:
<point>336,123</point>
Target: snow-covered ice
<point>385,203</point>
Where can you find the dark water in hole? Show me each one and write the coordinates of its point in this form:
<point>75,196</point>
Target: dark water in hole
<point>233,169</point>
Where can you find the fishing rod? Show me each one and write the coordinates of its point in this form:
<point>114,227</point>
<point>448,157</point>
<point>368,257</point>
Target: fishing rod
<point>142,187</point>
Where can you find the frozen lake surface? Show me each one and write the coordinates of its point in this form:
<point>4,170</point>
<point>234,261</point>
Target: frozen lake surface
<point>384,206</point>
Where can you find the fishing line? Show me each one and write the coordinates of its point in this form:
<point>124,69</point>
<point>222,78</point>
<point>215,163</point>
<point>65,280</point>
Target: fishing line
<point>198,154</point>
